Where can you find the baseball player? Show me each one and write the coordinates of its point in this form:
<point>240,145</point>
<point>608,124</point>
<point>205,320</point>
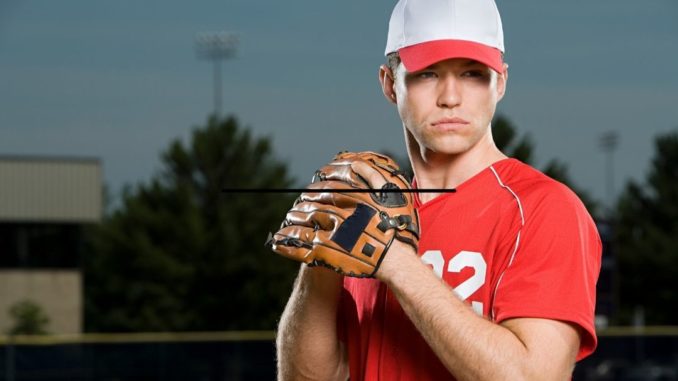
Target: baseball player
<point>492,277</point>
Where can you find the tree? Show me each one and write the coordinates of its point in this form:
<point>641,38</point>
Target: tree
<point>179,254</point>
<point>29,318</point>
<point>504,133</point>
<point>646,238</point>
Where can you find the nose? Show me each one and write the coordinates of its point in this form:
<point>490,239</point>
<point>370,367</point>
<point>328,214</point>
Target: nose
<point>449,94</point>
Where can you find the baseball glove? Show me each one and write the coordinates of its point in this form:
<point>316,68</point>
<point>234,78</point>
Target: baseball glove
<point>341,224</point>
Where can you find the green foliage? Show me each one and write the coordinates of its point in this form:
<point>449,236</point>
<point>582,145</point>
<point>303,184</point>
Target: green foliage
<point>179,254</point>
<point>504,134</point>
<point>29,319</point>
<point>647,238</point>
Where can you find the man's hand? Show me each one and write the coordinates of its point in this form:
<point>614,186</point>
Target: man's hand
<point>344,225</point>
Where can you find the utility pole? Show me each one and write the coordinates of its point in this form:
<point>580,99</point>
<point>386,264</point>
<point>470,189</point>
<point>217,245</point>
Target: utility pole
<point>608,144</point>
<point>216,47</point>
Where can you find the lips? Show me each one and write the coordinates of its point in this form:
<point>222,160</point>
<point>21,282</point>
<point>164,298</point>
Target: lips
<point>449,125</point>
<point>455,120</point>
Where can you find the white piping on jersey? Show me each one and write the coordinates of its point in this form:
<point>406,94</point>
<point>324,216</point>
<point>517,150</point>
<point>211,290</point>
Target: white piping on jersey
<point>515,247</point>
<point>520,205</point>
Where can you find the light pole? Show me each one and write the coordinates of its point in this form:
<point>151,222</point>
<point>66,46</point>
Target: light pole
<point>216,47</point>
<point>608,143</point>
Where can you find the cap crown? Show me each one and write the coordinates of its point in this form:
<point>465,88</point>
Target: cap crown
<point>417,21</point>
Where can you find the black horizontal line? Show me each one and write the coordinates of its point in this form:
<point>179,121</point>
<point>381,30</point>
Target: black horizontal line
<point>301,190</point>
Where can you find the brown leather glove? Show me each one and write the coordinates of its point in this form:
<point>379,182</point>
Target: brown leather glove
<point>351,228</point>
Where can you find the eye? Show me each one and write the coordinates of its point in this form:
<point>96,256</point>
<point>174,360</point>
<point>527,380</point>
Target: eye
<point>474,74</point>
<point>425,74</point>
<point>421,76</point>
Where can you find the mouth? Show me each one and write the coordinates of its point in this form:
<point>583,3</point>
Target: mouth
<point>449,124</point>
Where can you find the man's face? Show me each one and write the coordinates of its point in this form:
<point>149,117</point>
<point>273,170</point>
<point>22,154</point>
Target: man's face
<point>448,106</point>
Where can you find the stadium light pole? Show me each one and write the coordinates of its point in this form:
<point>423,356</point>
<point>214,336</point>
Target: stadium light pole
<point>608,143</point>
<point>216,47</point>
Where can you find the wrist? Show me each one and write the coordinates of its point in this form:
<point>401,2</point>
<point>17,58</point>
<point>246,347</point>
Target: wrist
<point>399,256</point>
<point>321,274</point>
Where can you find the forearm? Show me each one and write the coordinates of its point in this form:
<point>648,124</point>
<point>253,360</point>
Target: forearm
<point>307,343</point>
<point>470,346</point>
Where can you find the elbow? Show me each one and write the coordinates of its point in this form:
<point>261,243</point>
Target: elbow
<point>302,372</point>
<point>539,371</point>
<point>296,362</point>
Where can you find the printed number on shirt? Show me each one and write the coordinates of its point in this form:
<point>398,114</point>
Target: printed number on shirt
<point>462,260</point>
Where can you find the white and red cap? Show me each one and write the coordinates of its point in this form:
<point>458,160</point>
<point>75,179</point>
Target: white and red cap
<point>424,32</point>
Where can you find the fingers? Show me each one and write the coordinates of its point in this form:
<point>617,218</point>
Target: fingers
<point>339,172</point>
<point>371,172</point>
<point>375,179</point>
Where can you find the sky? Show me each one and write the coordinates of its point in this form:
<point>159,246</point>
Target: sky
<point>119,80</point>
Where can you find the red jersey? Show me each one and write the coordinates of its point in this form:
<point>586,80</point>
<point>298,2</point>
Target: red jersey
<point>511,241</point>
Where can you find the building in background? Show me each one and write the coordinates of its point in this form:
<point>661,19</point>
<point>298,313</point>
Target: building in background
<point>45,205</point>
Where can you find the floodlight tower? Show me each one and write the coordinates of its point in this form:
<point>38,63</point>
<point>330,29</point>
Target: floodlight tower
<point>608,143</point>
<point>216,47</point>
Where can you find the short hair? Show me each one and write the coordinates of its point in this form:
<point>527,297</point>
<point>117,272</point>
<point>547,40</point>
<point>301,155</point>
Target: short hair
<point>392,62</point>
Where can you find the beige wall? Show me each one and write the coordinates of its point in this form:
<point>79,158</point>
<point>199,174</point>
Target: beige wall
<point>50,190</point>
<point>58,292</point>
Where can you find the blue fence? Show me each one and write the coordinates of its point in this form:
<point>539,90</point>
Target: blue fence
<point>142,357</point>
<point>622,355</point>
<point>628,354</point>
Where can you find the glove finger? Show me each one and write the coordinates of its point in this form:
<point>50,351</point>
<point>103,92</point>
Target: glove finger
<point>338,199</point>
<point>316,215</point>
<point>294,242</point>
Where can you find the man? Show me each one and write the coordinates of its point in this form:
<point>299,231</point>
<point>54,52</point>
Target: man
<point>503,284</point>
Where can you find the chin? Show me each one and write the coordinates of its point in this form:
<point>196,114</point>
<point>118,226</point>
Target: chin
<point>442,151</point>
<point>454,147</point>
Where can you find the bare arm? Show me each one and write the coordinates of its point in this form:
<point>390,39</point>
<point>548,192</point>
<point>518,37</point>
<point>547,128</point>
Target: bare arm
<point>470,346</point>
<point>307,343</point>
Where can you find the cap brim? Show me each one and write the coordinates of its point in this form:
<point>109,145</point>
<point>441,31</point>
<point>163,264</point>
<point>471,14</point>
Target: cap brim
<point>419,56</point>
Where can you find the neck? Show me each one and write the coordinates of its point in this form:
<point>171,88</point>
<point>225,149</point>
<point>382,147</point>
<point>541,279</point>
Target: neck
<point>436,170</point>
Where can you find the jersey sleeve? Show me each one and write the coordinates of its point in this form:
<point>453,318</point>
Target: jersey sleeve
<point>555,266</point>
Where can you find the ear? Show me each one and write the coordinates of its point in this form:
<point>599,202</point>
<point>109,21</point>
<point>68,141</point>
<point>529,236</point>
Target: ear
<point>502,79</point>
<point>387,82</point>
